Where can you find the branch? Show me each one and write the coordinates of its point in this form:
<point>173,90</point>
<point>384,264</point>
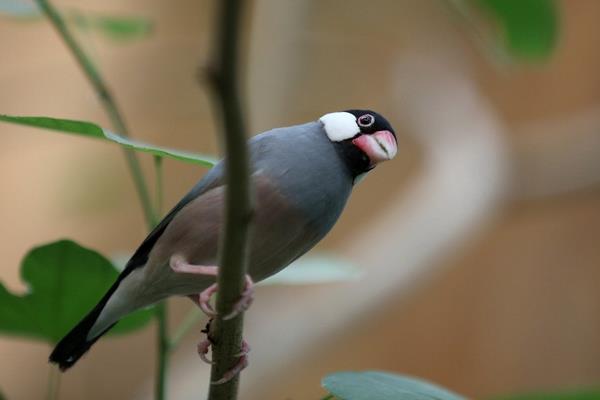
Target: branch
<point>118,123</point>
<point>107,102</point>
<point>227,335</point>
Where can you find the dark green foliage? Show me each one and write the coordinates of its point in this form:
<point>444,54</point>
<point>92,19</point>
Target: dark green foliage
<point>64,282</point>
<point>530,28</point>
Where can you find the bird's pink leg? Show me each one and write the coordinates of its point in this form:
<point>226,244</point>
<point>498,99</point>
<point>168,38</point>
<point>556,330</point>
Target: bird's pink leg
<point>178,264</point>
<point>203,347</point>
<point>237,368</point>
<point>242,363</point>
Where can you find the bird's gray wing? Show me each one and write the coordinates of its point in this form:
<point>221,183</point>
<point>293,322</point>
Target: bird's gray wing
<point>99,315</point>
<point>280,234</point>
<point>212,179</point>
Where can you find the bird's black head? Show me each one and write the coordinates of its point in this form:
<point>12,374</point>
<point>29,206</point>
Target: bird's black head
<point>364,138</point>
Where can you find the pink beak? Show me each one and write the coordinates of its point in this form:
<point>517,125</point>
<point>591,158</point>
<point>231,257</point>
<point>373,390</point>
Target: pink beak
<point>379,146</point>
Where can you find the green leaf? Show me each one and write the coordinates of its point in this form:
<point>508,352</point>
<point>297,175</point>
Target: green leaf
<point>582,394</point>
<point>113,27</point>
<point>529,28</point>
<point>65,281</point>
<point>315,269</point>
<point>375,385</point>
<point>92,130</point>
<point>19,8</point>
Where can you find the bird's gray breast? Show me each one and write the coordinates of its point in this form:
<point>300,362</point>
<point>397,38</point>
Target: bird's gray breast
<point>307,170</point>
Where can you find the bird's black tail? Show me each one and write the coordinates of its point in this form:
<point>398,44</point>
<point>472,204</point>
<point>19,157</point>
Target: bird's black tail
<point>76,343</point>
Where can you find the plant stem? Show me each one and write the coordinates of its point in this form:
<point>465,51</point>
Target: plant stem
<point>163,351</point>
<point>159,185</point>
<point>118,123</point>
<point>192,317</point>
<point>53,383</point>
<point>227,335</point>
<point>161,310</point>
<point>107,101</point>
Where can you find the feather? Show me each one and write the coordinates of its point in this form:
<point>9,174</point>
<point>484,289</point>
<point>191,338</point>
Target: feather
<point>301,185</point>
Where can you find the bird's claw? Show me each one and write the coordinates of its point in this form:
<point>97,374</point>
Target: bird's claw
<point>179,265</point>
<point>238,367</point>
<point>246,299</point>
<point>203,347</point>
<point>204,300</point>
<point>242,363</point>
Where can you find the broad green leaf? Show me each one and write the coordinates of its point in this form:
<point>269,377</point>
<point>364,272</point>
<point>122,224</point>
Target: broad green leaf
<point>64,282</point>
<point>315,269</point>
<point>113,27</point>
<point>529,28</point>
<point>582,394</point>
<point>375,385</point>
<point>19,8</point>
<point>92,130</point>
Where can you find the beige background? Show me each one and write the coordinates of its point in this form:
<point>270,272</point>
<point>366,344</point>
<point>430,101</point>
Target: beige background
<point>514,306</point>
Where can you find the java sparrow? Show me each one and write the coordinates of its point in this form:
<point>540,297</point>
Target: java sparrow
<point>302,177</point>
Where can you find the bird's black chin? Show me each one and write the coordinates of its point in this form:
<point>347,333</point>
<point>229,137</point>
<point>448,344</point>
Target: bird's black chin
<point>354,158</point>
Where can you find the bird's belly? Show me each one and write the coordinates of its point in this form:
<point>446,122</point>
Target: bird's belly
<point>279,234</point>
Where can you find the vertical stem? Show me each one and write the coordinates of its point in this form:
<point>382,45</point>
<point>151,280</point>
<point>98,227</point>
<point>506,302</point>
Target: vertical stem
<point>159,185</point>
<point>161,310</point>
<point>107,101</point>
<point>227,335</point>
<point>118,123</point>
<point>163,351</point>
<point>53,383</point>
<point>192,317</point>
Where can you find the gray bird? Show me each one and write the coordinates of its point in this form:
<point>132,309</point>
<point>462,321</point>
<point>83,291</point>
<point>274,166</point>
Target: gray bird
<point>302,177</point>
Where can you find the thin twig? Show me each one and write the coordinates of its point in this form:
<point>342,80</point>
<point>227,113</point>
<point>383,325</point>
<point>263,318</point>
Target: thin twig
<point>53,386</point>
<point>189,321</point>
<point>161,309</point>
<point>160,384</point>
<point>107,101</point>
<point>227,335</point>
<point>159,197</point>
<point>119,125</point>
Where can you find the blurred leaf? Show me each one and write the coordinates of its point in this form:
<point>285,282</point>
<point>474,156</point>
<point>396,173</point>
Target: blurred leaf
<point>375,385</point>
<point>19,8</point>
<point>529,27</point>
<point>113,27</point>
<point>315,269</point>
<point>65,281</point>
<point>322,268</point>
<point>566,395</point>
<point>94,131</point>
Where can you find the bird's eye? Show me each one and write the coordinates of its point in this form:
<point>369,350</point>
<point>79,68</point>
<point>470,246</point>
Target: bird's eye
<point>366,121</point>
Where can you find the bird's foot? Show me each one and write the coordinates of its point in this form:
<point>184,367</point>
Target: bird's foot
<point>178,264</point>
<point>203,347</point>
<point>203,300</point>
<point>245,301</point>
<point>242,363</point>
<point>238,367</point>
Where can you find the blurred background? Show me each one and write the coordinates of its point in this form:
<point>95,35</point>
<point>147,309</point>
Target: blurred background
<point>478,243</point>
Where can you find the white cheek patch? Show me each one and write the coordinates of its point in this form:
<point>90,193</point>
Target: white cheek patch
<point>340,126</point>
